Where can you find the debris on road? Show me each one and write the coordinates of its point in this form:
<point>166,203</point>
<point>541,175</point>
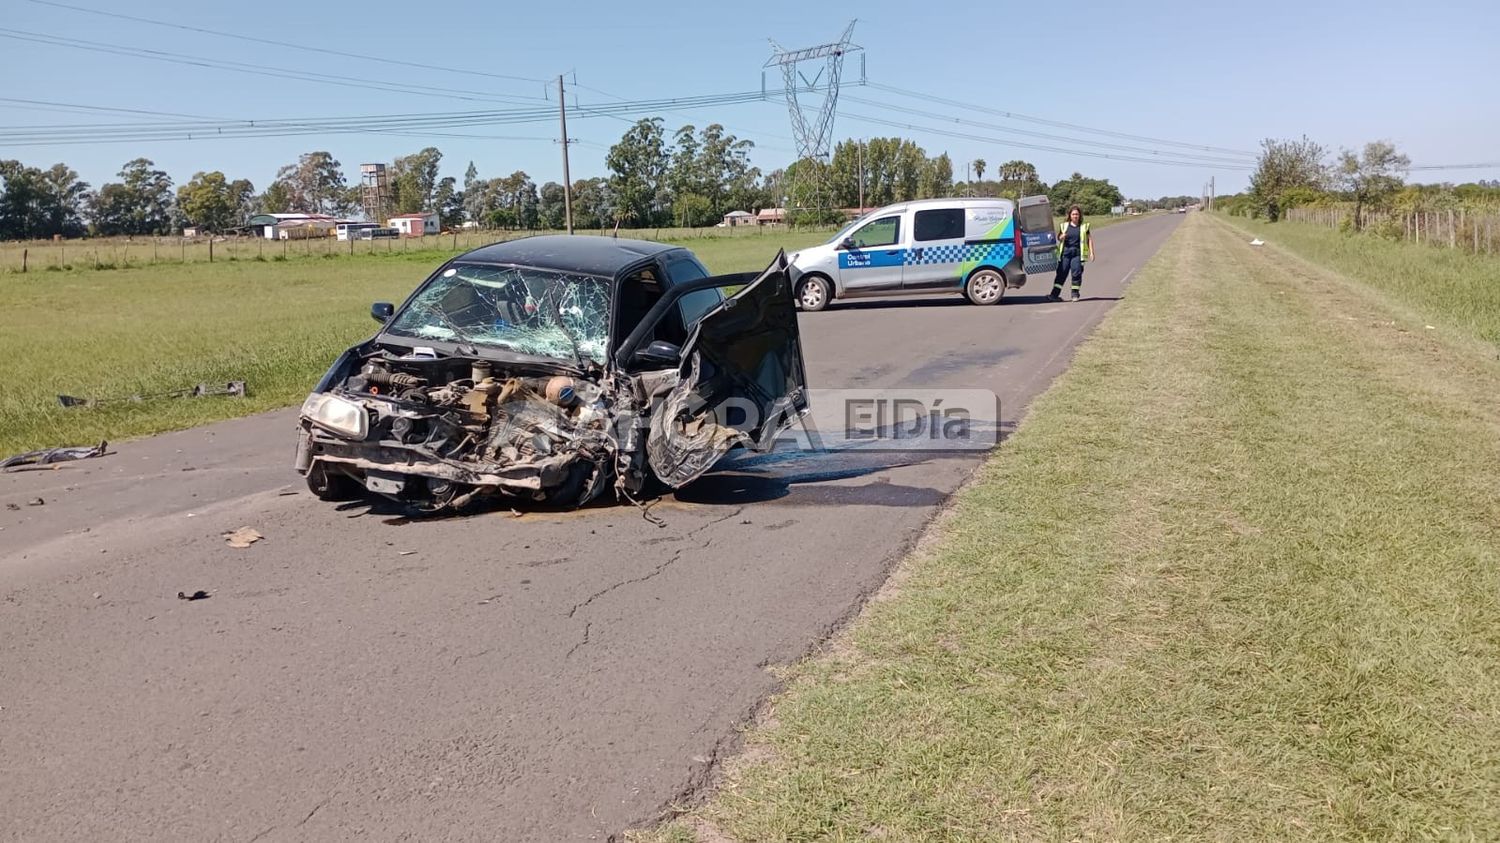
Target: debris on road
<point>235,389</point>
<point>407,552</point>
<point>36,502</point>
<point>13,507</point>
<point>48,456</point>
<point>197,595</point>
<point>243,537</point>
<point>1257,242</point>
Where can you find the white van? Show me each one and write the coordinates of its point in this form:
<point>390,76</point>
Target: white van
<point>968,246</point>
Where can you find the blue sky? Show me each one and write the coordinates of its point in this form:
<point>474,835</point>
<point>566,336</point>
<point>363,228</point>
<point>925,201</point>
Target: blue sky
<point>1192,72</point>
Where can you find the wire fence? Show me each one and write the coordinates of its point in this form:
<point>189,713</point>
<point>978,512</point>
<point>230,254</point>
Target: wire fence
<point>122,252</point>
<point>1476,232</point>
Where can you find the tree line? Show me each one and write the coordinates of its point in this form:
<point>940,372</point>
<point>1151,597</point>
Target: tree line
<point>689,177</point>
<point>1292,173</point>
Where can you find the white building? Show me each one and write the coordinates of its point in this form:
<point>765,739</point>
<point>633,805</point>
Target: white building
<point>738,218</point>
<point>415,225</point>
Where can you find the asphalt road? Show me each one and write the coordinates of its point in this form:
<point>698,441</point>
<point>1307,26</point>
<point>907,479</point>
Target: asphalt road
<point>494,677</point>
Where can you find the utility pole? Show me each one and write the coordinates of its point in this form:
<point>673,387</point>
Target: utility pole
<point>562,116</point>
<point>1210,193</point>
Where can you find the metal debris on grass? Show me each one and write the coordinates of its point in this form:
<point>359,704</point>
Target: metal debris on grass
<point>235,389</point>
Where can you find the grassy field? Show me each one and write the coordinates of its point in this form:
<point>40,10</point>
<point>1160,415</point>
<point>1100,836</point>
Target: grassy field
<point>1237,577</point>
<point>146,330</point>
<point>126,252</point>
<point>1454,288</point>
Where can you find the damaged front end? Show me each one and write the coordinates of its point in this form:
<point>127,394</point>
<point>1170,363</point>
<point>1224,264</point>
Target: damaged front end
<point>437,432</point>
<point>436,427</point>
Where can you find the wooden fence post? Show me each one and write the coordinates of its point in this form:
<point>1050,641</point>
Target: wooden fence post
<point>24,254</point>
<point>210,250</point>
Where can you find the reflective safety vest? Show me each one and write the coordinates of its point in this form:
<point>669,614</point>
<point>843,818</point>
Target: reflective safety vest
<point>1083,240</point>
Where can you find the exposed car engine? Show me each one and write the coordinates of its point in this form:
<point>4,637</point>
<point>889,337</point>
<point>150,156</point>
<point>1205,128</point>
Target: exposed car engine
<point>464,425</point>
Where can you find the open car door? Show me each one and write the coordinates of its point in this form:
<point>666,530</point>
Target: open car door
<point>1038,237</point>
<point>742,381</point>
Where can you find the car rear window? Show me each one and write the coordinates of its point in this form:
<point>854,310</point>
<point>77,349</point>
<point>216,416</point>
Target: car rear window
<point>940,224</point>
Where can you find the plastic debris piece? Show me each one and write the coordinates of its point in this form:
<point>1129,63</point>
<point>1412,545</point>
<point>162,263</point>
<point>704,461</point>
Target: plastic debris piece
<point>36,502</point>
<point>197,595</point>
<point>243,537</point>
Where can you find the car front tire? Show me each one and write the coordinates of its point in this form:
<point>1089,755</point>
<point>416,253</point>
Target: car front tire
<point>985,287</point>
<point>332,485</point>
<point>813,293</point>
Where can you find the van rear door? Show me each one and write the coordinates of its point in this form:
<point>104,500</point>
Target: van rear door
<point>1038,237</point>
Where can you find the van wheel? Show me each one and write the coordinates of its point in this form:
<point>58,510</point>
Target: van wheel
<point>813,293</point>
<point>985,286</point>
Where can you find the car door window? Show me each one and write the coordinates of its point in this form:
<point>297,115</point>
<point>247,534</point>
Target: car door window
<point>691,307</point>
<point>882,232</point>
<point>939,224</point>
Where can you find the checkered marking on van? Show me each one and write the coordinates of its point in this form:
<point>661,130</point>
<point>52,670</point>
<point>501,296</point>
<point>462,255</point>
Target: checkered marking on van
<point>996,253</point>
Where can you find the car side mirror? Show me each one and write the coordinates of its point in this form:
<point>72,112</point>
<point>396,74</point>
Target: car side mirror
<point>382,311</point>
<point>848,244</point>
<point>659,353</point>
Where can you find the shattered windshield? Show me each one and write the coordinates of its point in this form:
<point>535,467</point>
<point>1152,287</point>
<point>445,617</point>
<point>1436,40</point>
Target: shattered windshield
<point>529,311</point>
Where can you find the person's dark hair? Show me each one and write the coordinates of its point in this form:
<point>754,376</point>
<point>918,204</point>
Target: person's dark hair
<point>1069,217</point>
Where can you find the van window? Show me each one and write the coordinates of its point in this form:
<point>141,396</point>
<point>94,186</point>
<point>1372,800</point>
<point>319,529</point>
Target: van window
<point>882,232</point>
<point>939,224</point>
<point>1036,217</point>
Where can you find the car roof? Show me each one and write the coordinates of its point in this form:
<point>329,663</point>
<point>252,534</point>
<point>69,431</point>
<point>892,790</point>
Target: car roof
<point>586,254</point>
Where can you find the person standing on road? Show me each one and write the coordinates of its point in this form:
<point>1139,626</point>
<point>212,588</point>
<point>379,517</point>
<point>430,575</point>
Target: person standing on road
<point>1074,246</point>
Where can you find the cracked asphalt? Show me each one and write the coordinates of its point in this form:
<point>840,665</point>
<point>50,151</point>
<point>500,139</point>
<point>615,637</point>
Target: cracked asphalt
<point>503,676</point>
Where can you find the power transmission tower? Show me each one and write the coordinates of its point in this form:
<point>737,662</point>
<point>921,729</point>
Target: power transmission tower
<point>812,123</point>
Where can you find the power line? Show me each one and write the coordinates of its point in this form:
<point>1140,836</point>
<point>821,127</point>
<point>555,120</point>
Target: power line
<point>1183,155</point>
<point>1010,115</point>
<point>287,44</point>
<point>257,70</point>
<point>213,128</point>
<point>1046,148</point>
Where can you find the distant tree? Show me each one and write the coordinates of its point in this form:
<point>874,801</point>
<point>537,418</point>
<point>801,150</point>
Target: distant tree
<point>937,177</point>
<point>447,200</point>
<point>1093,196</point>
<point>1018,178</point>
<point>276,200</point>
<point>212,202</point>
<point>40,203</point>
<point>638,166</point>
<point>315,184</point>
<point>1285,165</point>
<point>593,203</point>
<point>140,203</point>
<point>550,206</point>
<point>1371,177</point>
<point>979,165</point>
<point>414,181</point>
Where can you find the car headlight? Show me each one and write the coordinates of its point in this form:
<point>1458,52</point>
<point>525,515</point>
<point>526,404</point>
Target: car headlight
<point>337,415</point>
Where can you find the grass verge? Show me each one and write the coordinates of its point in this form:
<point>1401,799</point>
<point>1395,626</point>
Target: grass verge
<point>1234,578</point>
<point>1450,286</point>
<point>149,330</point>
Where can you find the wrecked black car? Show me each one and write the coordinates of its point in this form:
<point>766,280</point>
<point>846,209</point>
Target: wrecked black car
<point>553,369</point>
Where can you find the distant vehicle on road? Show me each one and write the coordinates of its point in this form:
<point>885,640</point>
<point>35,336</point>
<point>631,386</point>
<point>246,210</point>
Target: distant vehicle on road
<point>968,246</point>
<point>352,230</point>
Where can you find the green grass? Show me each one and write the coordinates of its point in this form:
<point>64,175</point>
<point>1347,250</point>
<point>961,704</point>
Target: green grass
<point>1458,289</point>
<point>121,252</point>
<point>1235,578</point>
<point>144,330</point>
